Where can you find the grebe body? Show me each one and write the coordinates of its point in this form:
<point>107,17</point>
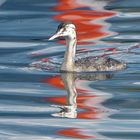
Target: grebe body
<point>87,64</point>
<point>90,64</point>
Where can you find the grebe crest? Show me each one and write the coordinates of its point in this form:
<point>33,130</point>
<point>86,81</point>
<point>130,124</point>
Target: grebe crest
<point>67,30</point>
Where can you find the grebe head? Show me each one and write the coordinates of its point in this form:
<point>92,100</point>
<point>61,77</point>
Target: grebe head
<point>66,30</point>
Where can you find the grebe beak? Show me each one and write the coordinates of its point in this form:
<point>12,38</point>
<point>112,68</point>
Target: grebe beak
<point>53,37</point>
<point>58,33</point>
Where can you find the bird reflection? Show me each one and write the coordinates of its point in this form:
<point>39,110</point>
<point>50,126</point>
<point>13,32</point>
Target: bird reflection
<point>70,79</point>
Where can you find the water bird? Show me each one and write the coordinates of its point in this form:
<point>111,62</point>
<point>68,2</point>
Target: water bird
<point>67,30</point>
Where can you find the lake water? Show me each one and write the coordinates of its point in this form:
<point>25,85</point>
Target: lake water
<point>37,102</point>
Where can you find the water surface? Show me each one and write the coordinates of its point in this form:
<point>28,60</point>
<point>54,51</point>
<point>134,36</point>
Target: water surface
<point>38,102</point>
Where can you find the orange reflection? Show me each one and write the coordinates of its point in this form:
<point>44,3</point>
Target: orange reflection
<point>88,28</point>
<point>90,112</point>
<point>56,81</point>
<point>68,5</point>
<point>74,133</point>
<point>85,102</point>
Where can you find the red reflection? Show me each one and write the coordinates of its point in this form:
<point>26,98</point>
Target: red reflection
<point>85,20</point>
<point>88,29</point>
<point>68,5</point>
<point>55,81</point>
<point>74,133</point>
<point>90,112</point>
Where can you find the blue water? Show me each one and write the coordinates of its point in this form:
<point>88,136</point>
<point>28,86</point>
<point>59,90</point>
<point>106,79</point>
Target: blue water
<point>33,101</point>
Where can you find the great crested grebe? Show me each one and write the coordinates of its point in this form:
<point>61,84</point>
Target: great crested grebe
<point>88,64</point>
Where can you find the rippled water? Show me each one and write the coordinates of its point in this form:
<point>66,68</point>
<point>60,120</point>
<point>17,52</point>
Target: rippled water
<point>37,102</point>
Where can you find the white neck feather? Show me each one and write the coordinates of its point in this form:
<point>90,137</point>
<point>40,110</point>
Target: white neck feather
<point>68,64</point>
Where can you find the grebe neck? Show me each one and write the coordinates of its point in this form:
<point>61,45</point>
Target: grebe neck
<point>69,56</point>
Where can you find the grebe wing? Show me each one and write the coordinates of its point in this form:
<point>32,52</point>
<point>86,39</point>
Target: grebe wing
<point>93,63</point>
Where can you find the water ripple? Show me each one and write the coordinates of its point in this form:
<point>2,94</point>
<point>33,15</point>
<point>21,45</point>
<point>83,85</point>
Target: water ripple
<point>38,102</point>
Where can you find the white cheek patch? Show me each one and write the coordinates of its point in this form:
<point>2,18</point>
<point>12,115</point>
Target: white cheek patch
<point>70,32</point>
